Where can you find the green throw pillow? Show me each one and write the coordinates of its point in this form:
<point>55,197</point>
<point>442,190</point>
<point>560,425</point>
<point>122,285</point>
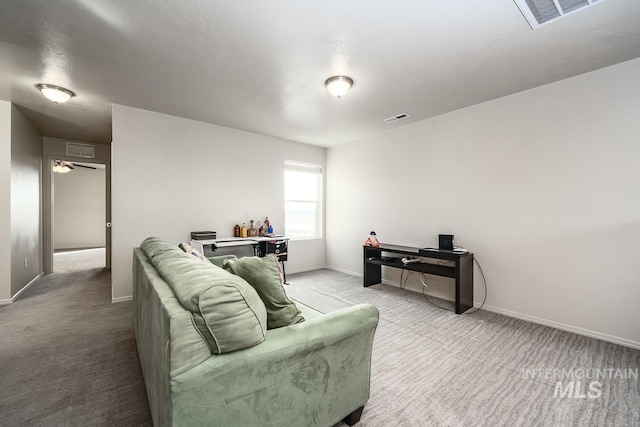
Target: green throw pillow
<point>264,275</point>
<point>226,310</point>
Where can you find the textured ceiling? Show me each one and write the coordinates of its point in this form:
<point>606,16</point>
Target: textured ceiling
<point>260,65</point>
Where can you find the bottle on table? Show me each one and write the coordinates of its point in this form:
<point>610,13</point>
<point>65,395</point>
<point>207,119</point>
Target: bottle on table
<point>252,232</point>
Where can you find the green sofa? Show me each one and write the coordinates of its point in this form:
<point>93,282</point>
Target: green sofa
<point>313,373</point>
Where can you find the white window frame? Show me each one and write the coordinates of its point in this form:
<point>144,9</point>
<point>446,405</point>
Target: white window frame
<point>295,166</point>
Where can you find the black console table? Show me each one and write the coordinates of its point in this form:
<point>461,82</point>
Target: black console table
<point>391,256</point>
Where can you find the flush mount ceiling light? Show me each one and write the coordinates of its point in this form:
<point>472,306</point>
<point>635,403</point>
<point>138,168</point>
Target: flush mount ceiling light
<point>338,85</point>
<point>55,93</point>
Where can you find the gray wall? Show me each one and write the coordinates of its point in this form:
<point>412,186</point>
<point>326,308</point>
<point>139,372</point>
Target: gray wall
<point>79,209</point>
<point>542,186</point>
<point>173,175</point>
<point>5,202</point>
<point>26,234</point>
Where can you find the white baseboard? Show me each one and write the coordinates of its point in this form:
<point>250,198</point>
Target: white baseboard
<point>342,270</point>
<point>122,299</point>
<point>564,327</point>
<point>5,301</point>
<point>303,269</point>
<point>533,319</point>
<point>21,291</point>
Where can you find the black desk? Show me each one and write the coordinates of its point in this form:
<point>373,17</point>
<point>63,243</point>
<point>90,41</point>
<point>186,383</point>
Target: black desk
<point>461,272</point>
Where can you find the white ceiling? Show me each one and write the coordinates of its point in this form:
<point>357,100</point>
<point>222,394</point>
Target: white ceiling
<point>260,65</point>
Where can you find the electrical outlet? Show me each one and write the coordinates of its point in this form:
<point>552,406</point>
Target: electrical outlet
<point>25,263</point>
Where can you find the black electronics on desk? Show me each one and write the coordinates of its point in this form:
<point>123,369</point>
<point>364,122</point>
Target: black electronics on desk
<point>203,235</point>
<point>445,242</point>
<point>277,247</point>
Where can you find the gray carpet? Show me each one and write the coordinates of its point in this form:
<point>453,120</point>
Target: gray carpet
<point>65,261</point>
<point>434,368</point>
<point>68,357</point>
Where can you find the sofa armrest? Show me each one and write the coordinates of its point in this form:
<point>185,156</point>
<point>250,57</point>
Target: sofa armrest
<point>310,373</point>
<point>309,335</point>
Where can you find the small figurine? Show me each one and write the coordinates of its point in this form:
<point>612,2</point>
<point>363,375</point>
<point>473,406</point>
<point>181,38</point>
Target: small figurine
<point>372,240</point>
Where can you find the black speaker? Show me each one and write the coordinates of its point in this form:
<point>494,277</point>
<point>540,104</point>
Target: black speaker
<point>445,242</point>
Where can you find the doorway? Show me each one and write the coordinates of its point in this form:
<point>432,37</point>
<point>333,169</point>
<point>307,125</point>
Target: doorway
<point>79,215</point>
<point>80,231</point>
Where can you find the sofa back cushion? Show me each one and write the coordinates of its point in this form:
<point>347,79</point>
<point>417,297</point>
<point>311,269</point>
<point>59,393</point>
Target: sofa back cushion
<point>264,275</point>
<point>226,310</point>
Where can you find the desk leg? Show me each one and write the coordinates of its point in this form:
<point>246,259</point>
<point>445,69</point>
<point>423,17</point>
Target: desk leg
<point>464,284</point>
<point>284,273</point>
<point>372,273</point>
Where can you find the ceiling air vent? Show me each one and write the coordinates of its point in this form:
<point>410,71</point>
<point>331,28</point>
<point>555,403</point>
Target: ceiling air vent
<point>76,149</point>
<point>542,12</point>
<point>396,118</point>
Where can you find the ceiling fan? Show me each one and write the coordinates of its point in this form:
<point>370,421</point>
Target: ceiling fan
<point>63,166</point>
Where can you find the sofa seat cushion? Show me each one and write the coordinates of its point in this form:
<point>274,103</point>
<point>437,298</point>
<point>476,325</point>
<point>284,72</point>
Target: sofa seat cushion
<point>264,275</point>
<point>226,310</point>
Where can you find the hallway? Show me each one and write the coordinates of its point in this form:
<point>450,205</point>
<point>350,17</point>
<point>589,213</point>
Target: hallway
<point>74,260</point>
<point>68,354</point>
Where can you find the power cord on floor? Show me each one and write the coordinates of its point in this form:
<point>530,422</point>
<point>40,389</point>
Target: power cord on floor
<point>425,285</point>
<point>423,279</point>
<point>484,299</point>
<point>403,283</point>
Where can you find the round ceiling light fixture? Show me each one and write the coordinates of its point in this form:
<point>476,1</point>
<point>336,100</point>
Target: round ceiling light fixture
<point>55,93</point>
<point>338,85</point>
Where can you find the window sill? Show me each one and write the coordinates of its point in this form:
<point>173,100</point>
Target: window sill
<point>302,238</point>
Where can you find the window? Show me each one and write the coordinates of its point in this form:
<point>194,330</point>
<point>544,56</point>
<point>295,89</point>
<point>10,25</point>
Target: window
<point>302,200</point>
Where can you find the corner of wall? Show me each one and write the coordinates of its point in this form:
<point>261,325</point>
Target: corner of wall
<point>5,202</point>
<point>26,202</point>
